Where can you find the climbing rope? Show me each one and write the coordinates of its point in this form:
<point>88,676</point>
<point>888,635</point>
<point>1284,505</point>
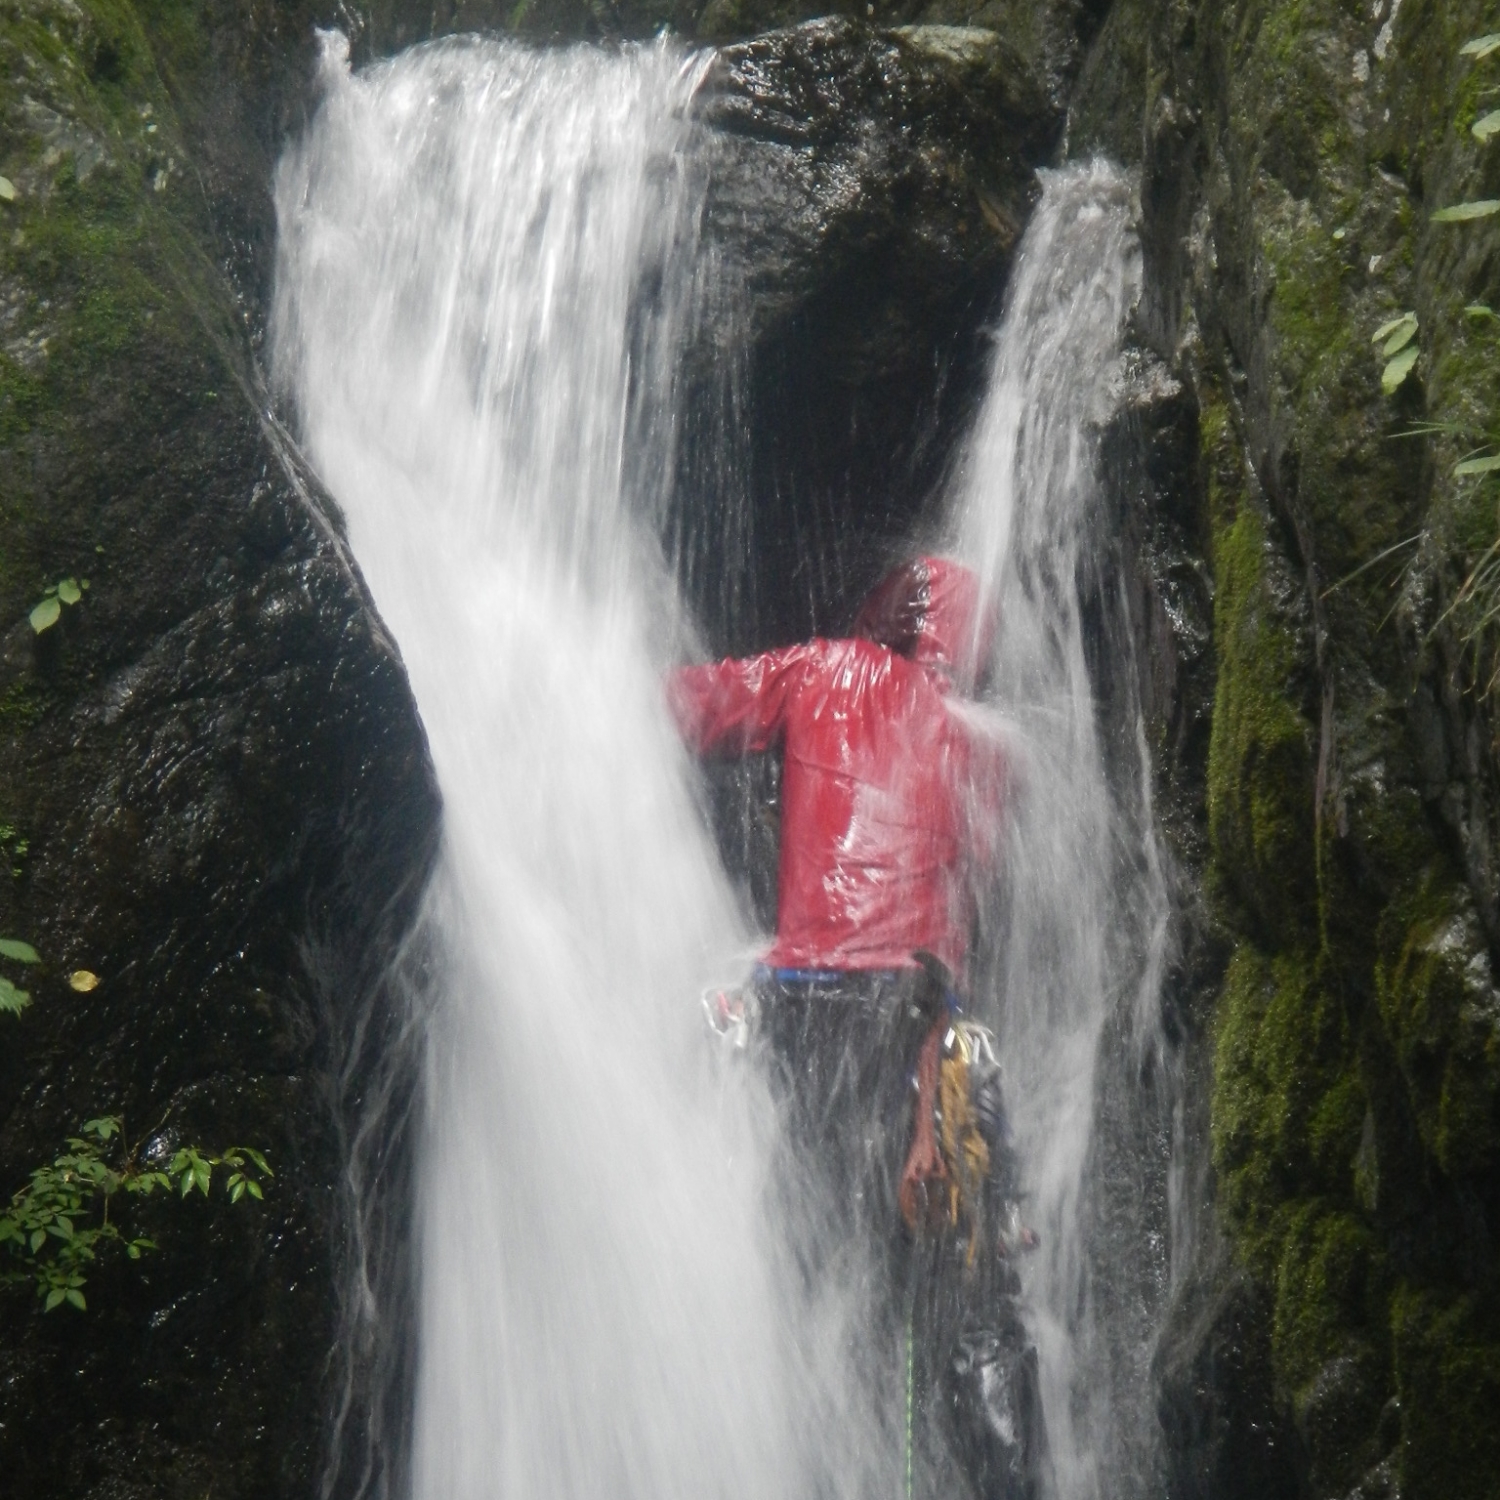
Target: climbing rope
<point>910,1393</point>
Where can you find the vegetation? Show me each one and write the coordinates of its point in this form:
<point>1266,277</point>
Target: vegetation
<point>1355,1127</point>
<point>1475,608</point>
<point>58,1226</point>
<point>48,610</point>
<point>13,999</point>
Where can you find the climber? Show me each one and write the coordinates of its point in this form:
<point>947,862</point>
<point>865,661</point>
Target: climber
<point>882,772</point>
<point>892,788</point>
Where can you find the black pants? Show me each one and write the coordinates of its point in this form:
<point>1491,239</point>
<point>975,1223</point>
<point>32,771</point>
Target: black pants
<point>938,1345</point>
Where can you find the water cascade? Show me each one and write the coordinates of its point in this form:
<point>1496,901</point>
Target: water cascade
<point>1077,934</point>
<point>489,259</point>
<point>466,234</point>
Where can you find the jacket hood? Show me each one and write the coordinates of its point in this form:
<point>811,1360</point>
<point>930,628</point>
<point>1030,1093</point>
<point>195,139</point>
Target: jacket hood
<point>928,609</point>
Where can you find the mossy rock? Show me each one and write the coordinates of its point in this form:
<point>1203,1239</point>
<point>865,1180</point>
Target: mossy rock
<point>1261,747</point>
<point>1291,156</point>
<point>1440,1008</point>
<point>1448,1379</point>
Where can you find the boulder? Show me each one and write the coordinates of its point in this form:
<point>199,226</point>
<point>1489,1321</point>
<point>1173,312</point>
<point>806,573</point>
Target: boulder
<point>214,788</point>
<point>867,190</point>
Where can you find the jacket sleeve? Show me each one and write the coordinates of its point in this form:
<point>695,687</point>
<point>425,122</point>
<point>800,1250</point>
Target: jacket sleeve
<point>736,706</point>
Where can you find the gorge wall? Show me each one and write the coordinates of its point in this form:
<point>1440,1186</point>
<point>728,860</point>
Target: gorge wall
<point>1340,783</point>
<point>215,789</point>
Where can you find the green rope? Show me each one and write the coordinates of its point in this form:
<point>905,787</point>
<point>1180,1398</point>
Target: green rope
<point>910,1384</point>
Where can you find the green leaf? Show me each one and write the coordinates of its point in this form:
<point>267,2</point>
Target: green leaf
<point>7,190</point>
<point>1407,319</point>
<point>44,616</point>
<point>38,1239</point>
<point>55,1298</point>
<point>1398,369</point>
<point>201,1175</point>
<point>11,999</point>
<point>236,1192</point>
<point>1481,46</point>
<point>1479,310</point>
<point>1480,208</point>
<point>75,1298</point>
<point>1400,338</point>
<point>253,1188</point>
<point>1477,465</point>
<point>1484,127</point>
<point>68,590</point>
<point>21,952</point>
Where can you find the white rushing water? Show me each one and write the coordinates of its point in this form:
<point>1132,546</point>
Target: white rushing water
<point>465,235</point>
<point>1078,934</point>
<point>488,264</point>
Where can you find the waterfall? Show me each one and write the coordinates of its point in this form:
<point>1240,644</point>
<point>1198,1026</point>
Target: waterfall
<point>1075,939</point>
<point>485,252</point>
<point>489,264</point>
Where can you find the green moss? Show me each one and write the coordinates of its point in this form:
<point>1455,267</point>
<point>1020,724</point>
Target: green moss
<point>1356,1093</point>
<point>1288,1102</point>
<point>1447,1359</point>
<point>1307,310</point>
<point>1327,1293</point>
<point>1436,1004</point>
<point>1260,768</point>
<point>22,394</point>
<point>20,708</point>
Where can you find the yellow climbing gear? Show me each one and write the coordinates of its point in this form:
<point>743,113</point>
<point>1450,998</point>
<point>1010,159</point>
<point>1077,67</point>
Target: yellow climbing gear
<point>965,1151</point>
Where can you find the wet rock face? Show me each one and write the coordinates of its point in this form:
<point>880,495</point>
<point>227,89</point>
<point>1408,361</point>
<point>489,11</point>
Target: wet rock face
<point>867,190</point>
<point>214,788</point>
<point>1291,158</point>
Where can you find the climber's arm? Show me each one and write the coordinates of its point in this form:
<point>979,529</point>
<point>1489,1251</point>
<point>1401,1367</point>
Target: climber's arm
<point>739,705</point>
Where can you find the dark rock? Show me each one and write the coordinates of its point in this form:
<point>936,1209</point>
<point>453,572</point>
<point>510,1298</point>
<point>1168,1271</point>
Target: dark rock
<point>213,760</point>
<point>1216,1399</point>
<point>868,189</point>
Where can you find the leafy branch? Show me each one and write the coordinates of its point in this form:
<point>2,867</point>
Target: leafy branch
<point>13,999</point>
<point>59,1224</point>
<point>1399,347</point>
<point>1475,608</point>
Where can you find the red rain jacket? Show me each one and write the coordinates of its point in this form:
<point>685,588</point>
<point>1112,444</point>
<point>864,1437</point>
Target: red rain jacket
<point>889,790</point>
